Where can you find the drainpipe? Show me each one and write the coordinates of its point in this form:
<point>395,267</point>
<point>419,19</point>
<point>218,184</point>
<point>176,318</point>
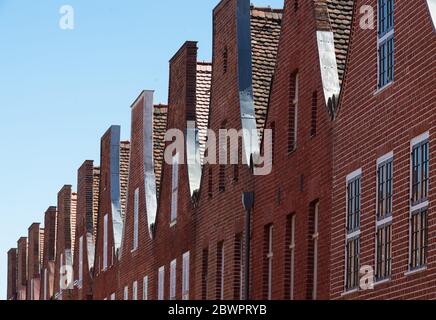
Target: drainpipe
<point>248,202</point>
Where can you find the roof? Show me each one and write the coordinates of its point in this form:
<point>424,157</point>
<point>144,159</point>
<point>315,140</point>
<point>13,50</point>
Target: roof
<point>265,35</point>
<point>159,130</point>
<point>341,14</point>
<point>204,80</point>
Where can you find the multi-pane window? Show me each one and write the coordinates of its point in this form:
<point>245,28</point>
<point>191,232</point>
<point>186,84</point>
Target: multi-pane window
<point>353,230</point>
<point>80,262</point>
<point>314,247</point>
<point>136,220</point>
<point>173,279</point>
<point>293,112</point>
<point>385,42</point>
<point>145,288</point>
<point>220,271</point>
<point>420,172</point>
<point>126,293</point>
<point>238,269</point>
<point>161,284</point>
<point>135,290</point>
<point>420,178</point>
<point>384,217</point>
<point>175,187</point>
<point>419,241</point>
<point>185,276</point>
<point>269,254</point>
<point>105,242</point>
<point>290,257</point>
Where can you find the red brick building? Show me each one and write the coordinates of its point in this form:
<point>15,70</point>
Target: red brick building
<point>346,212</point>
<point>22,268</point>
<point>12,275</point>
<point>49,255</point>
<point>291,230</point>
<point>65,231</point>
<point>383,224</point>
<point>34,260</point>
<point>245,45</point>
<point>114,168</point>
<point>88,183</point>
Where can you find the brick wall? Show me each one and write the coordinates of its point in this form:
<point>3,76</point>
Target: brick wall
<point>22,268</point>
<point>372,123</point>
<point>35,251</point>
<point>49,255</point>
<point>12,275</point>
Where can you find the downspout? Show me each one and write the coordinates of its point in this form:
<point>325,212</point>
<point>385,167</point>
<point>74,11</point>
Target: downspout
<point>248,203</point>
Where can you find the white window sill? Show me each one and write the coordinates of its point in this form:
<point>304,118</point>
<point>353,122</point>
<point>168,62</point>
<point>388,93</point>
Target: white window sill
<point>134,250</point>
<point>173,224</point>
<point>380,90</point>
<point>416,271</point>
<point>381,282</point>
<point>350,292</point>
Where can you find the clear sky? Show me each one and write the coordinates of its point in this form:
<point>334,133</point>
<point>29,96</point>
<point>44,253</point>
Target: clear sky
<point>61,89</point>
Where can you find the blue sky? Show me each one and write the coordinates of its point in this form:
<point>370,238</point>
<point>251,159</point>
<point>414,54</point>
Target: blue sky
<point>61,89</point>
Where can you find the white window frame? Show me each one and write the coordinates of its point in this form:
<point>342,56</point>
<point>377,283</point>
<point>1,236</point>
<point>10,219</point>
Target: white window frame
<point>388,220</point>
<point>185,275</point>
<point>173,279</point>
<point>136,220</point>
<point>161,284</point>
<point>353,235</point>
<point>45,283</point>
<point>145,288</point>
<point>126,293</point>
<point>420,206</point>
<point>80,283</point>
<point>315,238</point>
<point>174,188</point>
<point>113,296</point>
<point>380,42</point>
<point>105,241</point>
<point>135,291</point>
<point>270,256</point>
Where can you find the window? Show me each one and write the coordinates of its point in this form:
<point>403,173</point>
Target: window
<point>45,283</point>
<point>145,288</point>
<point>220,271</point>
<point>135,291</point>
<point>290,257</point>
<point>225,60</point>
<point>80,262</point>
<point>105,242</point>
<point>205,274</point>
<point>420,179</point>
<point>175,188</point>
<point>353,230</point>
<point>126,293</point>
<point>173,279</point>
<point>238,286</point>
<point>185,276</point>
<point>385,42</point>
<point>210,183</point>
<point>420,172</point>
<point>113,296</point>
<point>161,284</point>
<point>314,124</point>
<point>222,178</point>
<point>293,112</point>
<point>313,250</point>
<point>384,217</point>
<point>136,220</point>
<point>296,5</point>
<point>268,261</point>
<point>235,173</point>
<point>419,241</point>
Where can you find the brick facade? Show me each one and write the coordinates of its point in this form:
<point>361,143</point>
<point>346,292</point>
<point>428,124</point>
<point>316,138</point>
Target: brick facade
<point>309,73</point>
<point>12,275</point>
